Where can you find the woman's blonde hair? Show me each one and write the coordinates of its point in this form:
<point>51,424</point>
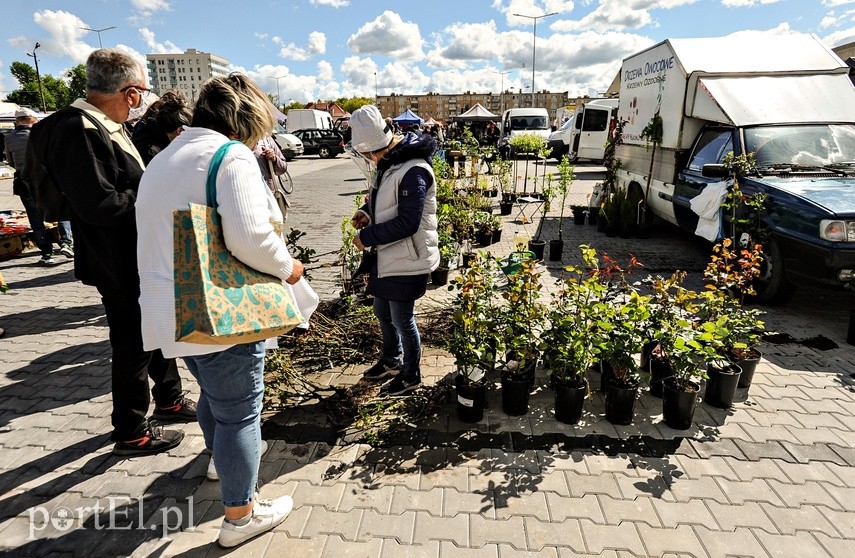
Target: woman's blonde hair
<point>235,106</point>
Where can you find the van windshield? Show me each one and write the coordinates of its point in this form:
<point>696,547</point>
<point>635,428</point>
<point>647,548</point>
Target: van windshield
<point>567,124</point>
<point>528,123</point>
<point>807,145</point>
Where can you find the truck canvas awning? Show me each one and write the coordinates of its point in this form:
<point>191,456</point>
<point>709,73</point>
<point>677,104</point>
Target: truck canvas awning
<point>749,100</point>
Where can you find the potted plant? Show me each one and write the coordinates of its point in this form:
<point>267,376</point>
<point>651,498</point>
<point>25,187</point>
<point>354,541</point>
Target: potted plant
<point>520,322</point>
<point>528,144</point>
<point>484,228</point>
<point>579,214</point>
<point>565,178</point>
<point>569,337</point>
<point>496,226</point>
<point>538,245</point>
<point>447,253</point>
<point>619,338</point>
<point>502,171</point>
<point>472,339</point>
<point>611,212</point>
<point>731,273</point>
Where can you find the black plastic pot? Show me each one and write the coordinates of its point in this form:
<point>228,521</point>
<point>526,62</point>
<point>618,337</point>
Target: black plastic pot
<point>515,394</point>
<point>748,366</point>
<point>439,276</point>
<point>607,372</point>
<point>506,207</point>
<point>467,259</point>
<point>678,405</point>
<point>484,238</point>
<point>471,399</point>
<point>556,249</point>
<point>592,217</point>
<point>610,231</point>
<point>620,402</point>
<point>569,401</point>
<point>497,235</point>
<point>579,215</point>
<point>659,371</point>
<point>721,385</point>
<point>538,247</point>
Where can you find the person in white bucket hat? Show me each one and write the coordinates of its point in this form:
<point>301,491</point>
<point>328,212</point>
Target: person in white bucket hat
<point>398,224</point>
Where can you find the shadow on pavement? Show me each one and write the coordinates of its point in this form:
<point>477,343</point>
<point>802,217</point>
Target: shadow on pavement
<point>53,319</point>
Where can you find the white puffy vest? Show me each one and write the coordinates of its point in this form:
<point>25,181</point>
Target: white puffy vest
<point>417,254</point>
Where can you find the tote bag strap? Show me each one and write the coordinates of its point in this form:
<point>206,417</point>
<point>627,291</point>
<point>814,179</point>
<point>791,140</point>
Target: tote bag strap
<point>213,169</point>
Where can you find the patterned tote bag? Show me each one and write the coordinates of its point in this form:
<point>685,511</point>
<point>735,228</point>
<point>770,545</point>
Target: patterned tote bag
<point>220,300</point>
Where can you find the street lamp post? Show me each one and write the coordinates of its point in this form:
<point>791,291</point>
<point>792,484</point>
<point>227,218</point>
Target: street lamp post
<point>38,76</point>
<point>375,89</point>
<point>533,43</point>
<point>278,98</point>
<point>502,92</point>
<point>99,33</point>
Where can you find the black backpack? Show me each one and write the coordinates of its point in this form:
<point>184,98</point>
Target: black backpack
<point>44,189</point>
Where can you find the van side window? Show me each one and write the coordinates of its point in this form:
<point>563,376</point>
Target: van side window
<point>711,148</point>
<point>595,120</point>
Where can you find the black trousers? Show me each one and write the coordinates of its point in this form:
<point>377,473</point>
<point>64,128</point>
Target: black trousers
<point>133,366</point>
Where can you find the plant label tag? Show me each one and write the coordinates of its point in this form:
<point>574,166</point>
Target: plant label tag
<point>465,402</point>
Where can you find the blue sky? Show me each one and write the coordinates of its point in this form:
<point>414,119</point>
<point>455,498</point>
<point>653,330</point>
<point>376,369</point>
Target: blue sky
<point>333,48</point>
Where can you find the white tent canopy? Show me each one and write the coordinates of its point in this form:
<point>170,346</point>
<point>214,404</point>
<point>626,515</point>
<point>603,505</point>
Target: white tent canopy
<point>476,114</point>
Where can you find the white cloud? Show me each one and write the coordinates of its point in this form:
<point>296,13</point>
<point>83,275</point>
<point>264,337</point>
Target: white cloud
<point>317,45</point>
<point>841,37</point>
<point>65,36</point>
<point>746,3</point>
<point>148,7</point>
<point>325,71</point>
<point>331,3</point>
<point>390,36</point>
<point>470,41</point>
<point>834,3</point>
<point>782,29</point>
<point>530,7</point>
<point>617,15</point>
<point>157,48</point>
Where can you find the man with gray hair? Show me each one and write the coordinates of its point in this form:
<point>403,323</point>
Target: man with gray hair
<point>98,169</point>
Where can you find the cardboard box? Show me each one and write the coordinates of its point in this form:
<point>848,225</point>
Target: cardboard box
<point>11,245</point>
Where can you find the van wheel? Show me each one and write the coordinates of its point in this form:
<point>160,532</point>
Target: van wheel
<point>324,152</point>
<point>772,286</point>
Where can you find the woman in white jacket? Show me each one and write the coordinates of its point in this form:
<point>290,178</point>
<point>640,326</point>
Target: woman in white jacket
<point>231,377</point>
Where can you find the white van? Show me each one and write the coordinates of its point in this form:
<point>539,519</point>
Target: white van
<point>308,119</point>
<point>584,134</point>
<point>518,121</point>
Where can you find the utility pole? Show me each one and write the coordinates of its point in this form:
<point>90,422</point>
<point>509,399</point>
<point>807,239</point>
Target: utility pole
<point>99,33</point>
<point>502,94</point>
<point>533,43</point>
<point>38,76</point>
<point>278,98</point>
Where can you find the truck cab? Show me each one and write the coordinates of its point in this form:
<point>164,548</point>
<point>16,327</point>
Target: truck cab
<point>790,105</point>
<point>584,134</point>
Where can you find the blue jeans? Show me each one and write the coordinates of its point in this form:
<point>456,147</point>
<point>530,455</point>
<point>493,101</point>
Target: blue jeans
<point>40,234</point>
<point>229,412</point>
<point>400,335</point>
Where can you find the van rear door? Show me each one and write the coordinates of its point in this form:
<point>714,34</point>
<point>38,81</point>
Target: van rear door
<point>591,139</point>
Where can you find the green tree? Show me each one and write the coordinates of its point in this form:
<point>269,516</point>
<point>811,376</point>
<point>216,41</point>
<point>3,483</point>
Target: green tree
<point>76,82</point>
<point>23,72</point>
<point>354,103</point>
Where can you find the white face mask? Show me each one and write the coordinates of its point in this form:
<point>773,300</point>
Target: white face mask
<point>139,111</point>
<point>366,166</point>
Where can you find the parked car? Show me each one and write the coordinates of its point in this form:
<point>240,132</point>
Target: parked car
<point>290,144</point>
<point>326,143</point>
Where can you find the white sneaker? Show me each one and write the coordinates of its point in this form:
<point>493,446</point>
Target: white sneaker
<point>212,470</point>
<point>266,514</point>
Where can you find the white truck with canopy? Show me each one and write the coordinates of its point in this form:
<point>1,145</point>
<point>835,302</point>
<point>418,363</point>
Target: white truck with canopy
<point>787,100</point>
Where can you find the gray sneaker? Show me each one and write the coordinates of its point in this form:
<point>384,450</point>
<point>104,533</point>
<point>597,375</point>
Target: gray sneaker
<point>66,250</point>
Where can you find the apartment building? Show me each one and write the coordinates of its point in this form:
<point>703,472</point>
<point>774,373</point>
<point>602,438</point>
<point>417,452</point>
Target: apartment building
<point>184,72</point>
<point>441,106</point>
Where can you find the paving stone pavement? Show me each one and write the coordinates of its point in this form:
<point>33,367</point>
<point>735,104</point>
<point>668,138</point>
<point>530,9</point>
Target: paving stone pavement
<point>773,476</point>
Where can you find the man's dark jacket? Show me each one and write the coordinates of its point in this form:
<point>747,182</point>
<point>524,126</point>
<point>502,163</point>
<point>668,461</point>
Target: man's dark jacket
<point>101,183</point>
